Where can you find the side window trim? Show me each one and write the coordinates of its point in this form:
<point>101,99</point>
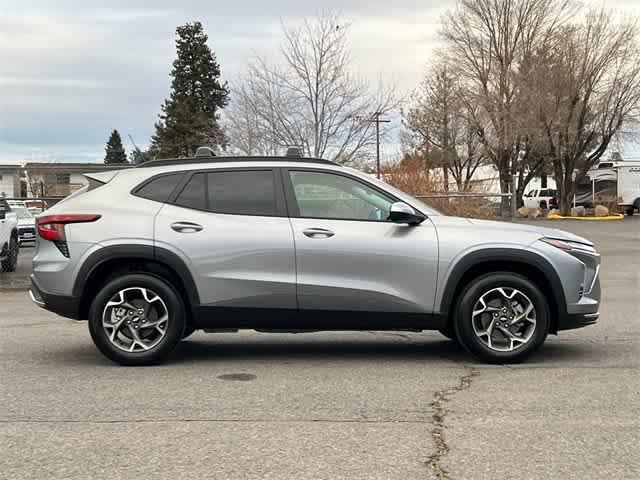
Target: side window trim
<point>280,203</point>
<point>292,202</point>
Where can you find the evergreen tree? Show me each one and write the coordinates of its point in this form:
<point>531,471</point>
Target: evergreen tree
<point>139,156</point>
<point>114,151</point>
<point>189,117</point>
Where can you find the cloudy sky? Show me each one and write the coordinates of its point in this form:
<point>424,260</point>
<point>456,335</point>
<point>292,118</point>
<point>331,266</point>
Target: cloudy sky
<point>73,70</point>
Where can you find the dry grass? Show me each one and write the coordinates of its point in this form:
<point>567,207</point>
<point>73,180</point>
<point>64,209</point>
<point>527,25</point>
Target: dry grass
<point>413,177</point>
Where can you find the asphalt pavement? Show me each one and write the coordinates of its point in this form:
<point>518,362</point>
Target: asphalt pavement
<point>367,405</point>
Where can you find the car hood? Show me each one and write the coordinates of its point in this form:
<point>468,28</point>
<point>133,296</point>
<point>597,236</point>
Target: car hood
<point>27,222</point>
<point>526,227</point>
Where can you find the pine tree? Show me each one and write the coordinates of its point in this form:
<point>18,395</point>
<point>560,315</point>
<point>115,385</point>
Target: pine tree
<point>114,151</point>
<point>189,117</point>
<point>139,156</point>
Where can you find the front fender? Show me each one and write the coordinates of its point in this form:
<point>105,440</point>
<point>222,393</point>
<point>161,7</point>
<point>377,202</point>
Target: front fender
<point>514,256</point>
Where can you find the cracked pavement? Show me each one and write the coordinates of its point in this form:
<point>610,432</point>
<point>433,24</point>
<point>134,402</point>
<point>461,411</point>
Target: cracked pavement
<point>328,405</point>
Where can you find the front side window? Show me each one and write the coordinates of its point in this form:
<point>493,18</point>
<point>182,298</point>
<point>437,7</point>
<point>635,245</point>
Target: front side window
<point>242,192</point>
<point>327,195</point>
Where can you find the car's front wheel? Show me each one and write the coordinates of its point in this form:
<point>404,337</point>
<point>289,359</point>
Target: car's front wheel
<point>502,317</point>
<point>137,319</point>
<point>10,263</point>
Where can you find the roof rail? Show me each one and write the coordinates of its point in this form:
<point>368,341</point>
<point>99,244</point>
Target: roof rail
<point>216,160</point>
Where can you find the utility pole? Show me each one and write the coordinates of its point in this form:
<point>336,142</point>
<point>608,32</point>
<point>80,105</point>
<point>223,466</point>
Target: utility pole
<point>141,156</point>
<point>375,118</point>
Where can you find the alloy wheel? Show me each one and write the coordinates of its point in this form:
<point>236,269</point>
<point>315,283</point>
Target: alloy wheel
<point>135,319</point>
<point>504,319</point>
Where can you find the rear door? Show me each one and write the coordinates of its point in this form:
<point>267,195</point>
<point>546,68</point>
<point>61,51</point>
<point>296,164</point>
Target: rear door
<point>349,257</point>
<point>231,229</point>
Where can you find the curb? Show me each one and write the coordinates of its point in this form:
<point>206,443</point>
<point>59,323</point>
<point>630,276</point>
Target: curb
<point>617,216</point>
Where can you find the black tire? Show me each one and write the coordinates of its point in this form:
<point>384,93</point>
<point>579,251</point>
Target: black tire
<point>10,263</point>
<point>188,330</point>
<point>472,293</point>
<point>630,211</point>
<point>449,332</point>
<point>174,329</point>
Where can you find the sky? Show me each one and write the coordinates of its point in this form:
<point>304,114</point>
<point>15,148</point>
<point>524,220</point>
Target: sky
<point>72,70</point>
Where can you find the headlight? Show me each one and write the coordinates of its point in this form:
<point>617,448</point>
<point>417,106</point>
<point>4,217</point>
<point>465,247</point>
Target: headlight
<point>569,245</point>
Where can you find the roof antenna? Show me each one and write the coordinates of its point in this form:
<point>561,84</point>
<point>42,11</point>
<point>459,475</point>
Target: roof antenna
<point>205,152</point>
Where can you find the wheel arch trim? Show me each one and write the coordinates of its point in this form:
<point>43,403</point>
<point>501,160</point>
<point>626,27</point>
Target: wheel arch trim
<point>494,255</point>
<point>137,252</point>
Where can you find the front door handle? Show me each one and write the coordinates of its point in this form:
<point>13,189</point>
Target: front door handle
<point>186,227</point>
<point>318,233</point>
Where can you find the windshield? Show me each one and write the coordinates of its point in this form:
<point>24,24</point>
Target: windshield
<point>22,212</point>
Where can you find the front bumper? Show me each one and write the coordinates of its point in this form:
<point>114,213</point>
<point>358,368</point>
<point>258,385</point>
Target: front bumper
<point>26,235</point>
<point>63,305</point>
<point>571,322</point>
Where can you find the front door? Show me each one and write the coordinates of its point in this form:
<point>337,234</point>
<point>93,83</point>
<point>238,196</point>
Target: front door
<point>349,257</point>
<point>231,229</point>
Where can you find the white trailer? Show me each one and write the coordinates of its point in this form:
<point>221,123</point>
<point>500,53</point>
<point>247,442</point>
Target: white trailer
<point>617,183</point>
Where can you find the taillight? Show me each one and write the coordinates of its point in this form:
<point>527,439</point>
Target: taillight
<point>51,227</point>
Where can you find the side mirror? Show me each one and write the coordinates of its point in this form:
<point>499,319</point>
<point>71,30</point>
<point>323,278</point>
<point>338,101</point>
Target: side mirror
<point>400,212</point>
<point>3,213</point>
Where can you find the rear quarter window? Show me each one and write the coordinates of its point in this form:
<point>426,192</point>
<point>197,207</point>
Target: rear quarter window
<point>159,188</point>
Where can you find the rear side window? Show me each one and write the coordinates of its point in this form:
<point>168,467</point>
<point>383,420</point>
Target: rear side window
<point>242,192</point>
<point>160,188</point>
<point>193,194</point>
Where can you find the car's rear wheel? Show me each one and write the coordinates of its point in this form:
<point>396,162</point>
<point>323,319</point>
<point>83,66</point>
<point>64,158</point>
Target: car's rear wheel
<point>502,317</point>
<point>137,319</point>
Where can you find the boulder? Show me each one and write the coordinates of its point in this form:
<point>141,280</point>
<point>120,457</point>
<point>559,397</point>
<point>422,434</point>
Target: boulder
<point>578,211</point>
<point>523,212</point>
<point>534,213</point>
<point>601,211</point>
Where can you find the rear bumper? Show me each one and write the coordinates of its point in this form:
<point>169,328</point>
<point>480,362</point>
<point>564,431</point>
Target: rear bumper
<point>63,305</point>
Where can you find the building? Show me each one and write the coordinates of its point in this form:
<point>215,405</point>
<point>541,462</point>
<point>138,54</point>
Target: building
<point>47,179</point>
<point>9,180</point>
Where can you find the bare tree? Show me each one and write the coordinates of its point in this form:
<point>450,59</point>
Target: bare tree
<point>442,128</point>
<point>591,88</point>
<point>486,43</point>
<point>313,100</point>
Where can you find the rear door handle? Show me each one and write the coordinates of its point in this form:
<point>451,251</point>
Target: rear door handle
<point>318,233</point>
<point>186,227</point>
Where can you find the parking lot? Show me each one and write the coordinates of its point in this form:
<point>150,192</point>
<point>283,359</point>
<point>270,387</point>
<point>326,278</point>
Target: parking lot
<point>327,405</point>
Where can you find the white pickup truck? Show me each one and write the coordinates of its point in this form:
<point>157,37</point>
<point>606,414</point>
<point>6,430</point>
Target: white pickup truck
<point>541,198</point>
<point>9,245</point>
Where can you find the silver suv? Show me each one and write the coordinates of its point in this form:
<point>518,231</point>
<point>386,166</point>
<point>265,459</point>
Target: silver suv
<point>150,254</point>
